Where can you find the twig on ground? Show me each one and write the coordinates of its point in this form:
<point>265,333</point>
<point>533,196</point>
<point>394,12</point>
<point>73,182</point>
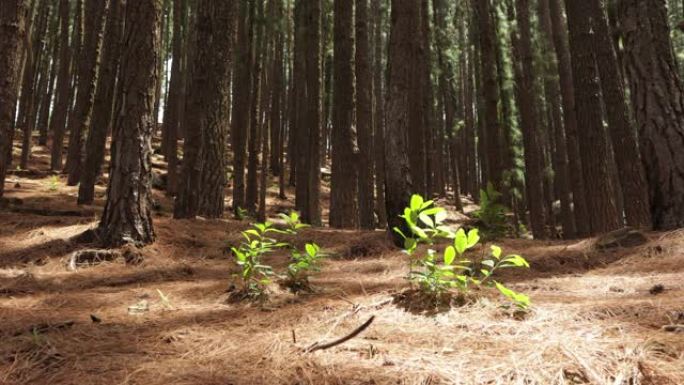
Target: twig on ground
<point>317,346</point>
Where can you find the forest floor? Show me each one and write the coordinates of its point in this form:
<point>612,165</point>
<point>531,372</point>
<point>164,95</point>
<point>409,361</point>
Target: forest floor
<point>597,316</point>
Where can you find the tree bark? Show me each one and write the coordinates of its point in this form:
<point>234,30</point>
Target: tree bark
<point>379,113</point>
<point>127,217</point>
<point>593,142</point>
<point>63,92</point>
<point>12,30</point>
<point>657,96</point>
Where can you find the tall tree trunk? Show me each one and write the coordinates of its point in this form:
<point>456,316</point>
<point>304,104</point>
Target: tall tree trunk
<point>103,105</point>
<point>343,187</point>
<point>49,92</point>
<point>528,119</point>
<point>127,217</point>
<point>241,105</point>
<point>402,46</point>
<point>379,112</point>
<point>623,134</point>
<point>12,30</point>
<point>364,115</point>
<point>567,85</point>
<point>63,92</point>
<point>594,148</point>
<point>95,13</point>
<point>657,95</point>
<point>254,137</point>
<point>417,131</point>
<point>312,213</point>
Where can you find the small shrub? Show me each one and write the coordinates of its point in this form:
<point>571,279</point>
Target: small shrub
<point>53,183</point>
<point>436,275</point>
<point>492,214</point>
<point>301,267</point>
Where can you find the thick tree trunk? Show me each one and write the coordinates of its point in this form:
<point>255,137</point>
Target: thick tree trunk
<point>127,217</point>
<point>95,13</point>
<point>103,106</point>
<point>402,46</point>
<point>623,134</point>
<point>593,141</point>
<point>657,95</point>
<point>12,30</point>
<point>312,213</point>
<point>254,137</point>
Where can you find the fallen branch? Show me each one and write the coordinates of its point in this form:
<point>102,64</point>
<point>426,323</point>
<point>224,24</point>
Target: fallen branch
<point>354,333</point>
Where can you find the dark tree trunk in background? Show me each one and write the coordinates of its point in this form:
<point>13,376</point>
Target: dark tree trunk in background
<point>593,141</point>
<point>560,42</point>
<point>490,91</point>
<point>402,46</point>
<point>528,119</point>
<point>560,156</point>
<point>12,30</point>
<point>95,13</point>
<point>49,92</point>
<point>63,92</point>
<point>379,113</point>
<point>417,131</point>
<point>103,105</point>
<point>313,121</point>
<point>241,105</point>
<point>623,134</point>
<point>202,179</point>
<point>657,97</point>
<point>127,217</point>
<point>343,187</point>
<point>254,136</point>
<point>364,115</point>
<point>175,105</point>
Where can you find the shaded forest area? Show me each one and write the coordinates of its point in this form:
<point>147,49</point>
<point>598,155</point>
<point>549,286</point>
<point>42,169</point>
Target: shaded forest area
<point>342,192</point>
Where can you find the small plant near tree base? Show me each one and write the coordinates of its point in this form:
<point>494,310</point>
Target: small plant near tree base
<point>255,275</point>
<point>492,214</point>
<point>437,275</point>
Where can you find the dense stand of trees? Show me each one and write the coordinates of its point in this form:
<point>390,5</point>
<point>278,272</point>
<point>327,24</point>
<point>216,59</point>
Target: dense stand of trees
<point>571,109</point>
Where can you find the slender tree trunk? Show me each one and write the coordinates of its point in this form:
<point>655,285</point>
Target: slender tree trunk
<point>594,148</point>
<point>103,104</point>
<point>379,113</point>
<point>402,46</point>
<point>12,30</point>
<point>657,95</point>
<point>47,99</point>
<point>63,92</point>
<point>254,137</point>
<point>343,206</point>
<point>127,217</point>
<point>528,119</point>
<point>623,134</point>
<point>567,85</point>
<point>95,13</point>
<point>241,105</point>
<point>312,214</point>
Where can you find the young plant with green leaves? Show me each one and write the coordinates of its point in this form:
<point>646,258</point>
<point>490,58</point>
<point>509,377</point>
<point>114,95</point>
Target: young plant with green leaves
<point>492,214</point>
<point>436,276</point>
<point>254,274</point>
<point>302,266</point>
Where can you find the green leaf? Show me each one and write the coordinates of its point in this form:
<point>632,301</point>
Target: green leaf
<point>311,249</point>
<point>461,241</point>
<point>521,300</point>
<point>473,237</point>
<point>440,216</point>
<point>426,219</point>
<point>449,255</point>
<point>489,263</point>
<point>516,260</point>
<point>496,251</point>
<point>416,202</point>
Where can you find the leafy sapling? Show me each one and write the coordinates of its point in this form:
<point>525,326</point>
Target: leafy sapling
<point>254,274</point>
<point>301,267</point>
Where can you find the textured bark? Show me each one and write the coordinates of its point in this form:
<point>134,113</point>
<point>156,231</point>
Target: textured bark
<point>593,141</point>
<point>35,52</point>
<point>254,137</point>
<point>127,217</point>
<point>379,113</point>
<point>12,30</point>
<point>560,156</point>
<point>175,106</point>
<point>528,118</point>
<point>399,100</point>
<point>623,134</point>
<point>343,187</point>
<point>560,42</point>
<point>364,115</point>
<point>428,110</point>
<point>103,105</point>
<point>312,213</point>
<point>95,13</point>
<point>417,131</point>
<point>63,92</point>
<point>241,105</point>
<point>490,113</point>
<point>657,95</point>
<point>49,91</point>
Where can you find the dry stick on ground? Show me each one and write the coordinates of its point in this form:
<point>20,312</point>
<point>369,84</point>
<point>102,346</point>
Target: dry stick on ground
<point>354,333</point>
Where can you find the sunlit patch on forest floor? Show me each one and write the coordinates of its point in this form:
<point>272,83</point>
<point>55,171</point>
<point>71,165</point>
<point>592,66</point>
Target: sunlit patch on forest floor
<point>597,316</point>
